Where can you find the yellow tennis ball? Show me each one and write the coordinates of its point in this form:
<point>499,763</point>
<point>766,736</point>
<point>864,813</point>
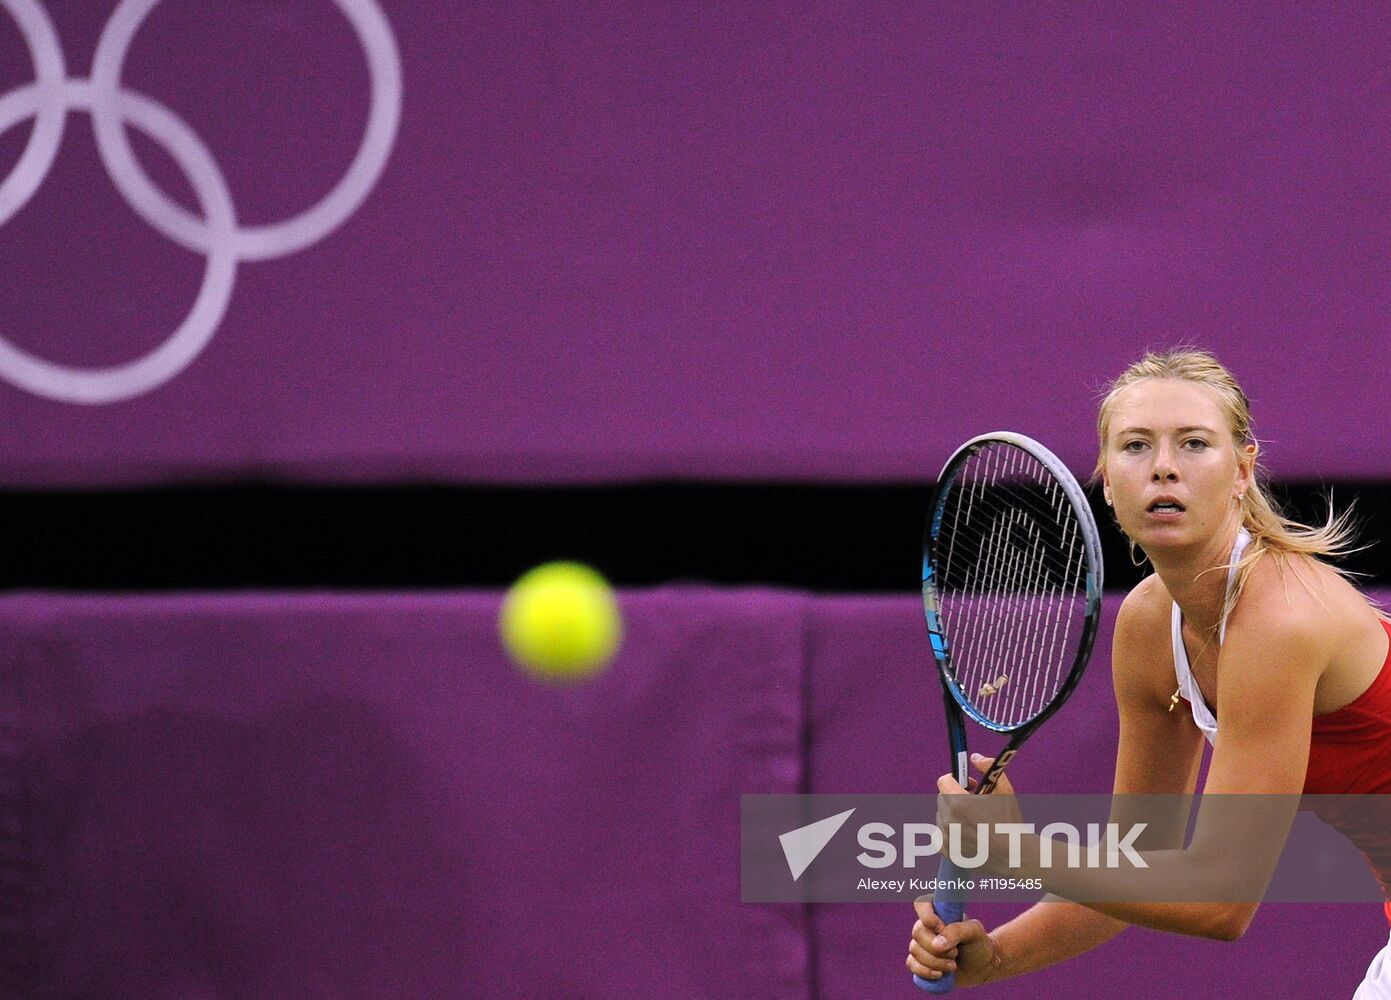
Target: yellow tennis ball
<point>561,621</point>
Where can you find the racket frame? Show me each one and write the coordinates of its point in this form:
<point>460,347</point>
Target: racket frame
<point>958,706</point>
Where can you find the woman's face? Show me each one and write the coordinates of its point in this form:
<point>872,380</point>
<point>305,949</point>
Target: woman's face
<point>1171,468</point>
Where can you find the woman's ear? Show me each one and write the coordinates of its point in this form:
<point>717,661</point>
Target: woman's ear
<point>1245,468</point>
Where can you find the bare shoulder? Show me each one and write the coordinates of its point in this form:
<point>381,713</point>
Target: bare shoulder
<point>1303,606</point>
<point>1282,638</point>
<point>1298,598</point>
<point>1146,609</point>
<point>1142,659</point>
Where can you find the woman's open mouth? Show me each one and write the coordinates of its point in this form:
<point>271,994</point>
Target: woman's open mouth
<point>1165,509</point>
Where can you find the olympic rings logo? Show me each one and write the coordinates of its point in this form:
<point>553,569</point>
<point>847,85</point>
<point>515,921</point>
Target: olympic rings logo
<point>215,234</point>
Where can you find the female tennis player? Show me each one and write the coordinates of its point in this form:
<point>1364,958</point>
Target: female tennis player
<point>1243,634</point>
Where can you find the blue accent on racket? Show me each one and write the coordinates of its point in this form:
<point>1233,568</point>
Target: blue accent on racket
<point>950,904</point>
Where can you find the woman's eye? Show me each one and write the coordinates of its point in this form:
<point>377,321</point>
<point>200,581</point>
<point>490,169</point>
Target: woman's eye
<point>1195,444</point>
<point>1132,446</point>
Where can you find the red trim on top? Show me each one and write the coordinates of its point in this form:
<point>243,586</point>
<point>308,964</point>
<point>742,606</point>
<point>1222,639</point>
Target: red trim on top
<point>1379,688</point>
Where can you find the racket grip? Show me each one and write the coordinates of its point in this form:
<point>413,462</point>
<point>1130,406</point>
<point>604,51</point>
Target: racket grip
<point>949,902</point>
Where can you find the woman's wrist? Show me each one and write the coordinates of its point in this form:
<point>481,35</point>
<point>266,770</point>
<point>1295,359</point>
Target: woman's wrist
<point>999,964</point>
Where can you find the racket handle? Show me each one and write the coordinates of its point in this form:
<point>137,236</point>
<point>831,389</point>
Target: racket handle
<point>950,905</point>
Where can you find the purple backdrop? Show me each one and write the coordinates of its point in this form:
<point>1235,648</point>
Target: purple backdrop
<point>615,241</point>
<point>322,796</point>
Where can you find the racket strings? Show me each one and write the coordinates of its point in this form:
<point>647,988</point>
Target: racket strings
<point>1012,583</point>
<point>1025,559</point>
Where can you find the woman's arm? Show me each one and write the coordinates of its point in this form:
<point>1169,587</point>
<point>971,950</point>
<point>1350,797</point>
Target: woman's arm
<point>1049,932</point>
<point>1159,752</point>
<point>1269,667</point>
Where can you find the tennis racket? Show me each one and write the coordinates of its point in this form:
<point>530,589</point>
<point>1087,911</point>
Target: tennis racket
<point>1012,596</point>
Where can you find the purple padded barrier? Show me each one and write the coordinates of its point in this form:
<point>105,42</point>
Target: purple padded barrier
<point>825,241</point>
<point>877,725</point>
<point>324,796</point>
<point>330,797</point>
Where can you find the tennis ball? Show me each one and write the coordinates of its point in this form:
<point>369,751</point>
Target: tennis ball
<point>561,622</point>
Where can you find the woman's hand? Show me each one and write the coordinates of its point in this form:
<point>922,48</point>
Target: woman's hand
<point>948,785</point>
<point>958,807</point>
<point>964,948</point>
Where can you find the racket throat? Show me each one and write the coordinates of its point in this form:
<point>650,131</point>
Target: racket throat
<point>997,769</point>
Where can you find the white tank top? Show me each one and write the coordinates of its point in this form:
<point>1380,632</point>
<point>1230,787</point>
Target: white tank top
<point>1187,686</point>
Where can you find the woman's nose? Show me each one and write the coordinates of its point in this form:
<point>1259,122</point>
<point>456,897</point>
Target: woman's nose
<point>1165,470</point>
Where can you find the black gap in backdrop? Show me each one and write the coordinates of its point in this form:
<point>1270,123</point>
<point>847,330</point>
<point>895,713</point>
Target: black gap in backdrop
<point>820,537</point>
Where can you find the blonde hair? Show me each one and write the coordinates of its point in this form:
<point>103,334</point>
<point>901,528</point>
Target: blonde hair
<point>1271,531</point>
